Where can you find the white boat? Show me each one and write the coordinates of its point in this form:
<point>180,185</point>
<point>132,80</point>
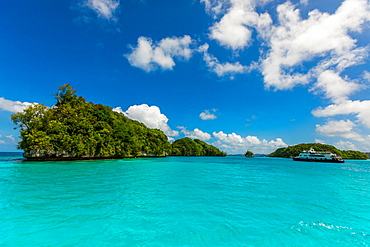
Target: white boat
<point>314,156</point>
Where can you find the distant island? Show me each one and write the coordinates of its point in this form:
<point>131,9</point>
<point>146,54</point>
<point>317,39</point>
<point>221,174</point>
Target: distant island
<point>292,151</point>
<point>74,129</point>
<point>188,147</point>
<point>249,154</point>
<point>368,154</point>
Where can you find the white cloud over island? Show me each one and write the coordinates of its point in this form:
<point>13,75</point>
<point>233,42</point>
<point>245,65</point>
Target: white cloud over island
<point>151,116</point>
<point>233,143</point>
<point>13,106</point>
<point>195,134</point>
<point>339,128</point>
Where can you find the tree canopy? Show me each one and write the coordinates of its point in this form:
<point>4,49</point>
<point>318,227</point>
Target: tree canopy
<point>291,151</point>
<point>188,147</point>
<point>74,128</point>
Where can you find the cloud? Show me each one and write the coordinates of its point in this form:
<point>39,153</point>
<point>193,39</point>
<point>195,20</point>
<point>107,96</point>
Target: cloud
<point>321,36</point>
<point>339,128</point>
<point>234,143</point>
<point>7,140</point>
<point>222,69</point>
<point>292,41</point>
<point>359,108</point>
<point>195,134</point>
<point>320,141</point>
<point>104,8</point>
<point>366,76</point>
<point>13,106</point>
<point>253,117</point>
<point>234,30</point>
<point>151,116</point>
<point>149,56</point>
<point>214,7</point>
<point>335,87</point>
<point>345,145</point>
<point>304,2</point>
<point>230,31</point>
<point>208,115</point>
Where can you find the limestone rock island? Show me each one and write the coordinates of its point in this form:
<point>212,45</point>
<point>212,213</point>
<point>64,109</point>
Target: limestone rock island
<point>74,129</point>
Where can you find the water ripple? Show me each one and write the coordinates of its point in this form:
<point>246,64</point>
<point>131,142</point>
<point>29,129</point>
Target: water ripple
<point>184,201</point>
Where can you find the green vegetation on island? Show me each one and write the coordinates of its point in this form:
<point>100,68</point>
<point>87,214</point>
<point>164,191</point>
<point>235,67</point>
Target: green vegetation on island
<point>188,147</point>
<point>249,154</point>
<point>75,129</point>
<point>291,151</point>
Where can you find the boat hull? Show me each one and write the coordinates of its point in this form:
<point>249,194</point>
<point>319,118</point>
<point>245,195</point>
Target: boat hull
<point>317,160</point>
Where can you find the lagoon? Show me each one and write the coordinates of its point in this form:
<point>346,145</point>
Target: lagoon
<point>184,201</point>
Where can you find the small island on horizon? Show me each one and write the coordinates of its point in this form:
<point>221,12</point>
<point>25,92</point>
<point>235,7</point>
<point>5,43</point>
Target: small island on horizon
<point>74,129</point>
<point>249,154</point>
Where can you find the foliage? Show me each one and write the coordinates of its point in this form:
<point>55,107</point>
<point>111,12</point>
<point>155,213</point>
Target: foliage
<point>291,151</point>
<point>249,154</point>
<point>188,147</point>
<point>75,128</point>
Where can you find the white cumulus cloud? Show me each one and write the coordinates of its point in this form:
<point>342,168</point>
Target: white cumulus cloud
<point>195,134</point>
<point>13,106</point>
<point>208,115</point>
<point>149,56</point>
<point>290,42</point>
<point>234,143</point>
<point>359,108</point>
<point>234,29</point>
<point>222,69</point>
<point>339,128</point>
<point>230,30</point>
<point>322,36</point>
<point>345,145</point>
<point>104,8</point>
<point>335,87</point>
<point>151,116</point>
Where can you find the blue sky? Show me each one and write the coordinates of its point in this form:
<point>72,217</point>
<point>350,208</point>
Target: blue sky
<point>239,74</point>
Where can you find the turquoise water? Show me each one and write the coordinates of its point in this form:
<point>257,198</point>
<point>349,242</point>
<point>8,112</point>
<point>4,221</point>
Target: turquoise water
<point>184,201</point>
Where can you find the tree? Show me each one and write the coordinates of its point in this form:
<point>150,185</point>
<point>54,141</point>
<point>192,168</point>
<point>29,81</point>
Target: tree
<point>65,95</point>
<point>76,129</point>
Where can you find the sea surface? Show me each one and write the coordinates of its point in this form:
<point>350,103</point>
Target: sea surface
<point>184,201</point>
